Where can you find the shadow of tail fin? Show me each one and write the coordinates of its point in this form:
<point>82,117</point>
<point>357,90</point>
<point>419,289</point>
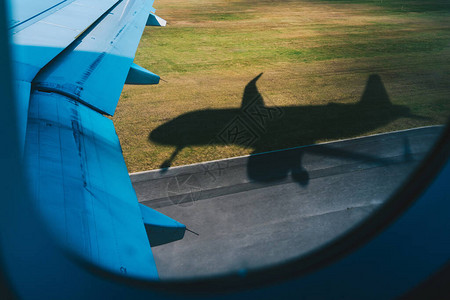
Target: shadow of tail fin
<point>251,94</point>
<point>375,92</point>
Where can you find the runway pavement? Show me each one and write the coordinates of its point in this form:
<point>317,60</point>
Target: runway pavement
<point>252,211</point>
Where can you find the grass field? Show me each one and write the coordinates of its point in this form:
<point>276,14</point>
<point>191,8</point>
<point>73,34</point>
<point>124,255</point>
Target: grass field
<point>316,58</point>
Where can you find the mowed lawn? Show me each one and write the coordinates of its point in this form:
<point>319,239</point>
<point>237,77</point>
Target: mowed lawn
<point>316,57</point>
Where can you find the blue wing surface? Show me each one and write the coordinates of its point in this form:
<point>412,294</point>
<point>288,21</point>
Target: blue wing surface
<point>39,36</point>
<point>95,70</point>
<point>71,60</point>
<point>40,30</point>
<point>80,183</point>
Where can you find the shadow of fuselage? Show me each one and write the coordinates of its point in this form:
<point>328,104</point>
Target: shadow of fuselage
<point>264,128</point>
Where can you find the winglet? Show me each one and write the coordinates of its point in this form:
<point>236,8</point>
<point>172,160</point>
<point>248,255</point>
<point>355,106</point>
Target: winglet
<point>154,20</point>
<point>139,75</point>
<point>160,228</point>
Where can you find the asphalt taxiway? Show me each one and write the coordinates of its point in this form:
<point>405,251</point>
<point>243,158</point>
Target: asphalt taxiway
<point>252,211</point>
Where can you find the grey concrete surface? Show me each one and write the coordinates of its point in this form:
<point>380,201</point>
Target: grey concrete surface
<point>253,211</point>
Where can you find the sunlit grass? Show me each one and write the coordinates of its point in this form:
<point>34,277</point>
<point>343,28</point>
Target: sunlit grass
<point>312,52</point>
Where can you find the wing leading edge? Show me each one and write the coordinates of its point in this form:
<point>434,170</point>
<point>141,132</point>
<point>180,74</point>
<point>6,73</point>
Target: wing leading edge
<point>94,69</point>
<point>76,171</point>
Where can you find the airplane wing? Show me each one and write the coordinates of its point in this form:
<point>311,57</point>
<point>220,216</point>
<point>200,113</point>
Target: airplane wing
<point>71,59</point>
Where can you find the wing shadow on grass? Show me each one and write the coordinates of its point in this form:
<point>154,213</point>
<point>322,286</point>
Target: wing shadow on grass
<point>265,128</point>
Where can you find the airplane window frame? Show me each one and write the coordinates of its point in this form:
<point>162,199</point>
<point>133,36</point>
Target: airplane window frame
<point>403,198</point>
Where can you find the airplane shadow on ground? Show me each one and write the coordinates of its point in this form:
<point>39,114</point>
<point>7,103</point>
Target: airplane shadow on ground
<point>266,128</point>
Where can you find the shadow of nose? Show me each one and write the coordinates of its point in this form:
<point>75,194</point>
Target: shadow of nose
<point>155,134</point>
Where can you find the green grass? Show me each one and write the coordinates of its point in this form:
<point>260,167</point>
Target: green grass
<point>222,16</point>
<point>418,6</point>
<point>312,53</point>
